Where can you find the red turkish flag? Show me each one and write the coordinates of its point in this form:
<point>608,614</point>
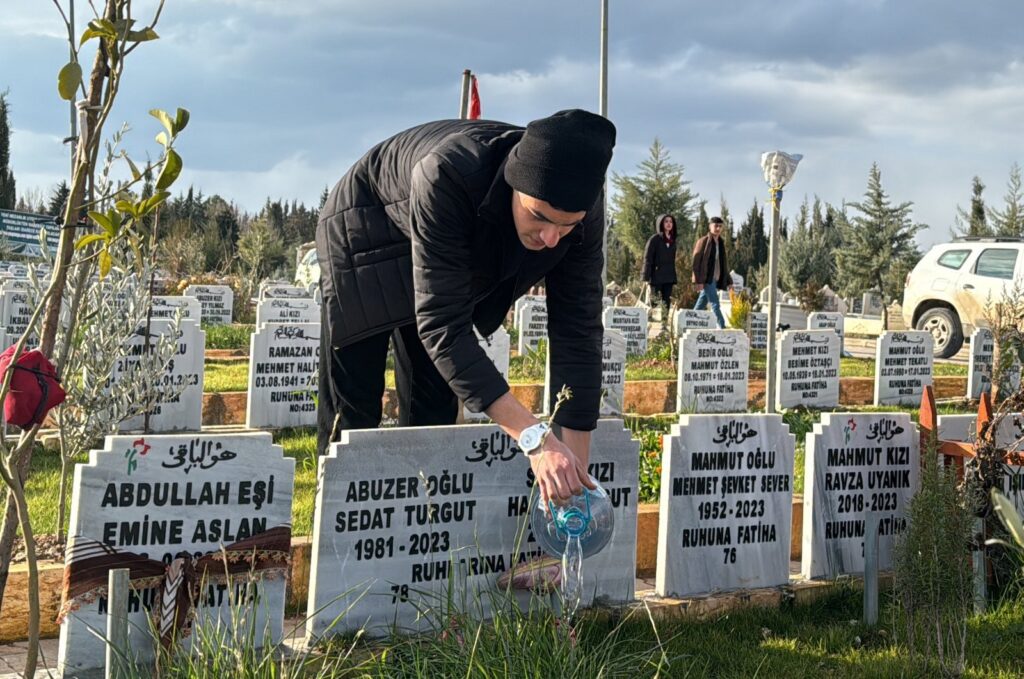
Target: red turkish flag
<point>474,100</point>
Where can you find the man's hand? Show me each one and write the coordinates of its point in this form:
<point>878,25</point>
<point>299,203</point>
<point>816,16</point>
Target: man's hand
<point>558,472</point>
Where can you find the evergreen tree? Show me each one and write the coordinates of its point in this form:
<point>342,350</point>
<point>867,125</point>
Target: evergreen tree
<point>1009,222</point>
<point>878,245</point>
<point>323,199</point>
<point>750,251</point>
<point>8,195</point>
<point>657,188</point>
<point>728,235</point>
<point>805,264</point>
<point>973,222</point>
<point>58,199</point>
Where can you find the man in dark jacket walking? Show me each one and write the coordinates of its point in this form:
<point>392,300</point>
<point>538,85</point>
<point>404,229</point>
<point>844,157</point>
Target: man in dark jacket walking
<point>660,258</point>
<point>710,271</point>
<point>438,230</point>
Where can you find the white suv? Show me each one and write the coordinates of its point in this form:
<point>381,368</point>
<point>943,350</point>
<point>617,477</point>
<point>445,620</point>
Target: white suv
<point>949,289</point>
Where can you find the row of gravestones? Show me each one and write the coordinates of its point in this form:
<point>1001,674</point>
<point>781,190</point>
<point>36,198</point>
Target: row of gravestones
<point>404,517</point>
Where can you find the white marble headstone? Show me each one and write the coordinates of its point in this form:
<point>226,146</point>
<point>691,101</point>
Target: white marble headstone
<point>1009,437</point>
<point>712,373</point>
<point>726,504</point>
<point>856,464</point>
<point>406,514</point>
<point>821,320</point>
<point>808,369</point>
<point>613,373</point>
<point>278,291</point>
<point>979,371</point>
<point>217,302</point>
<point>522,302</point>
<point>533,326</point>
<point>632,323</point>
<point>757,329</point>
<point>287,310</point>
<point>161,495</point>
<point>693,319</point>
<point>871,303</point>
<point>15,312</point>
<point>181,408</point>
<point>496,346</point>
<point>167,306</point>
<point>903,367</point>
<point>284,364</point>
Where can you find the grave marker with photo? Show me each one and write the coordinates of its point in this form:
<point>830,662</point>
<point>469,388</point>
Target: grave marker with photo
<point>726,504</point>
<point>856,464</point>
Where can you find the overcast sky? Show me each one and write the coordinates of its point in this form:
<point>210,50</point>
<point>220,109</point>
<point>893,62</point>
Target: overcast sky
<point>286,94</point>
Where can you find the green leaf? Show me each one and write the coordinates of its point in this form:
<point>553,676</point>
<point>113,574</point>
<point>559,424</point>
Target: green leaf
<point>1009,516</point>
<point>136,175</point>
<point>181,120</point>
<point>136,250</point>
<point>98,28</point>
<point>164,119</point>
<point>103,221</point>
<point>153,201</point>
<point>126,207</point>
<point>122,26</point>
<point>172,168</point>
<point>68,80</point>
<point>162,139</point>
<point>145,35</point>
<point>87,239</point>
<point>105,263</point>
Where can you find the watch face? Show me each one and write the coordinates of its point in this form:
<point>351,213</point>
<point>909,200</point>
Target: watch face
<point>529,439</point>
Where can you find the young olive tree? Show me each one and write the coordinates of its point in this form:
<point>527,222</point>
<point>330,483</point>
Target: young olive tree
<point>113,218</point>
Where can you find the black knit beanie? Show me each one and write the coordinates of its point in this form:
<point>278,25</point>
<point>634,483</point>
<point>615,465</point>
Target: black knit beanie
<point>562,159</point>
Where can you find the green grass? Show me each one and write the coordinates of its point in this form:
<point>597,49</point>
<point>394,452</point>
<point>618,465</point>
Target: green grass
<point>225,376</point>
<point>234,336</point>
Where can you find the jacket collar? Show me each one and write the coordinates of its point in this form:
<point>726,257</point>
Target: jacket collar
<point>496,207</point>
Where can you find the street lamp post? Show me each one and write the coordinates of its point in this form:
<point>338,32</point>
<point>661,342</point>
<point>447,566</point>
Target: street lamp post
<point>778,170</point>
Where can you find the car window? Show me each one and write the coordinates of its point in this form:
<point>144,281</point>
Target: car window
<point>310,257</point>
<point>953,259</point>
<point>996,263</point>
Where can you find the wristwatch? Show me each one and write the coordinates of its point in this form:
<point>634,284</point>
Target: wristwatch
<point>532,438</point>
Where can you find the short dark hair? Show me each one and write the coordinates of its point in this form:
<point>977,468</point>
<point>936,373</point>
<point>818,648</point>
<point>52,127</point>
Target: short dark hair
<point>716,220</point>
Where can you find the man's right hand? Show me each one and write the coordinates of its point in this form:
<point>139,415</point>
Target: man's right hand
<point>558,472</point>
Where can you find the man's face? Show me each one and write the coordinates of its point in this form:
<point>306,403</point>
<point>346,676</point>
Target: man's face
<point>540,225</point>
<point>715,229</point>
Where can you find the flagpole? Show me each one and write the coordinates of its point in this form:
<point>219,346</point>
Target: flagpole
<point>464,98</point>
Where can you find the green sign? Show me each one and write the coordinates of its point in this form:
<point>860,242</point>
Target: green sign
<point>21,229</point>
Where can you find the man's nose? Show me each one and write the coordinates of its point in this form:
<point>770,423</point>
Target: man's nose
<point>549,234</point>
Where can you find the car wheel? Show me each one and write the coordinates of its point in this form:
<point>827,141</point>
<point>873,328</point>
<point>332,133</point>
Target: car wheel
<point>945,327</point>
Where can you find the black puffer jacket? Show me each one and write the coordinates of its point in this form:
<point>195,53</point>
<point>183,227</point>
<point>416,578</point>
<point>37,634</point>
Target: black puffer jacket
<point>660,255</point>
<point>420,230</point>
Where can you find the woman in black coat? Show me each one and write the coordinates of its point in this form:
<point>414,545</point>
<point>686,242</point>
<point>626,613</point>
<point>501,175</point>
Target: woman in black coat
<point>660,258</point>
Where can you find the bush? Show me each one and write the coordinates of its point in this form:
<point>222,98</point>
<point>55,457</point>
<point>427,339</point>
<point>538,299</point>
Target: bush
<point>235,336</point>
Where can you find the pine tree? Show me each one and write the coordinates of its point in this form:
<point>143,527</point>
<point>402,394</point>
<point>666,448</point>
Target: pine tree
<point>728,235</point>
<point>8,194</point>
<point>323,199</point>
<point>657,188</point>
<point>805,264</point>
<point>58,199</point>
<point>973,222</point>
<point>878,245</point>
<point>750,251</point>
<point>1009,222</point>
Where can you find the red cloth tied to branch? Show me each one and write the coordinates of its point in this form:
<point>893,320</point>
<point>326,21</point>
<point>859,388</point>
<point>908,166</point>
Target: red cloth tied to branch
<point>89,562</point>
<point>35,387</point>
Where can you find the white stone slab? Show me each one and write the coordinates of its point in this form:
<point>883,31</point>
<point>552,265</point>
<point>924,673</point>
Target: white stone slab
<point>1009,436</point>
<point>15,312</point>
<point>821,320</point>
<point>522,302</point>
<point>496,346</point>
<point>903,367</point>
<point>182,408</point>
<point>726,504</point>
<point>161,495</point>
<point>399,511</point>
<point>613,373</point>
<point>808,369</point>
<point>217,302</point>
<point>713,369</point>
<point>693,319</point>
<point>757,330</point>
<point>285,310</point>
<point>871,303</point>
<point>284,364</point>
<point>632,323</point>
<point>533,326</point>
<point>979,371</point>
<point>278,291</point>
<point>166,306</point>
<point>856,464</point>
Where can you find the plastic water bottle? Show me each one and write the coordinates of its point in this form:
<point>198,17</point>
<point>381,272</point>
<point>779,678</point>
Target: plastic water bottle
<point>574,531</point>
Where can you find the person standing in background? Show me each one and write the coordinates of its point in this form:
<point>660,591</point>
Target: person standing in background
<point>660,258</point>
<point>710,271</point>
